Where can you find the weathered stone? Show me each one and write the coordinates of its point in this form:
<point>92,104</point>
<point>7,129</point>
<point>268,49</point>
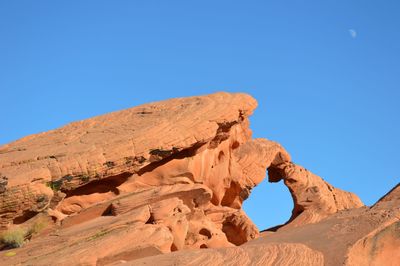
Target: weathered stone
<point>172,176</point>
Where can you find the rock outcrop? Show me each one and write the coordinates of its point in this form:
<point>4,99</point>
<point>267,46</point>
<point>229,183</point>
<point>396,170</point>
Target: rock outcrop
<point>186,165</point>
<point>159,178</point>
<point>359,236</point>
<point>313,198</point>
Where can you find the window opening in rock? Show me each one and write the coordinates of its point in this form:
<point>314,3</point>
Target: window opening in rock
<point>269,205</point>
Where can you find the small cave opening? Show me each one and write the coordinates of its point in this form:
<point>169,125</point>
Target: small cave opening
<point>235,145</point>
<point>173,247</point>
<point>26,215</point>
<point>109,211</point>
<point>205,232</point>
<point>151,219</point>
<point>269,205</point>
<point>233,233</point>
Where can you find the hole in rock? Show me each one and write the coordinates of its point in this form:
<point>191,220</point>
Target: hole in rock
<point>100,186</point>
<point>203,246</point>
<point>234,234</point>
<point>205,232</point>
<point>235,145</point>
<point>26,215</point>
<point>173,247</point>
<point>269,205</point>
<point>151,219</point>
<point>109,211</point>
<point>54,219</point>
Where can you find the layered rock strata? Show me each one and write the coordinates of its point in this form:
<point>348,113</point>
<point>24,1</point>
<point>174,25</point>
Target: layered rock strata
<point>156,178</point>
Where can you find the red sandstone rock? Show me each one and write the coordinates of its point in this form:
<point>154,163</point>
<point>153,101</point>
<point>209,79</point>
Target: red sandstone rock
<point>314,199</point>
<point>170,176</point>
<point>269,254</point>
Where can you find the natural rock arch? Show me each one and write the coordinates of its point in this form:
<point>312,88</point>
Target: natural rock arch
<point>167,176</point>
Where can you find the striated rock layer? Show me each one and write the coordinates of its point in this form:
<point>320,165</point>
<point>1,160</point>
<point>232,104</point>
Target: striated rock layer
<point>189,162</point>
<point>161,177</point>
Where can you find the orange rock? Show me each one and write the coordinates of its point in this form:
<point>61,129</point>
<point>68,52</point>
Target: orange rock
<point>191,161</point>
<point>380,247</point>
<point>172,176</point>
<point>270,254</point>
<point>314,198</point>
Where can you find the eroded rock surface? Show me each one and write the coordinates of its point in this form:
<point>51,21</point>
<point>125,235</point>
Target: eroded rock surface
<point>358,236</point>
<point>313,198</point>
<point>163,177</point>
<point>189,162</point>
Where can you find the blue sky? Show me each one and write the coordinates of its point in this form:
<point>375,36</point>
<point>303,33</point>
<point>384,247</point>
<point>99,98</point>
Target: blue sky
<point>326,75</point>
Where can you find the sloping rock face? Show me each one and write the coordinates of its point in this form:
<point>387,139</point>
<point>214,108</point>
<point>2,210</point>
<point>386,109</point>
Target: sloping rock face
<point>381,246</point>
<point>185,165</point>
<point>268,254</point>
<point>358,236</point>
<point>153,179</point>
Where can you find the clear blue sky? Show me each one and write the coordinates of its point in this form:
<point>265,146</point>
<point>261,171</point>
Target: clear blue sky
<point>326,75</point>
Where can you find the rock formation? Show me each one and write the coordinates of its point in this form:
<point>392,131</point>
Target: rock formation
<point>314,198</point>
<point>131,186</point>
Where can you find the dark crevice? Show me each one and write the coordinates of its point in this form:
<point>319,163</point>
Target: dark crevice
<point>235,145</point>
<point>214,200</point>
<point>205,232</point>
<point>225,126</point>
<point>171,155</point>
<point>275,174</point>
<point>160,157</point>
<point>330,188</point>
<point>173,247</point>
<point>151,220</point>
<point>109,211</point>
<point>222,133</point>
<point>108,184</point>
<point>26,215</point>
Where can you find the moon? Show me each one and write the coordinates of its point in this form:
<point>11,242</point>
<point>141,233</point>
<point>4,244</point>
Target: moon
<point>353,33</point>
